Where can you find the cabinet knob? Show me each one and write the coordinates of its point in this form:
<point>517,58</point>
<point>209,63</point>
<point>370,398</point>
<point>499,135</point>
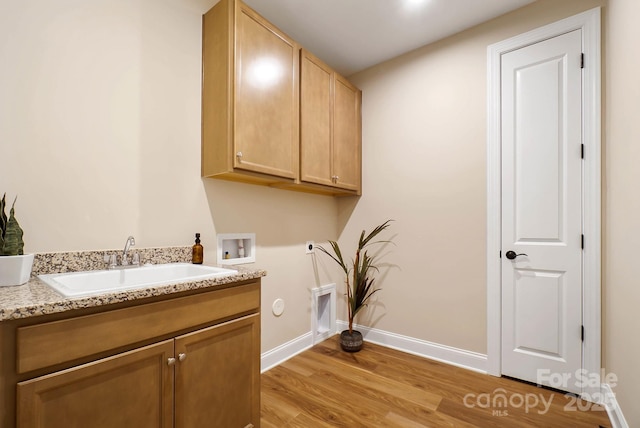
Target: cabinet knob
<point>171,361</point>
<point>239,155</point>
<point>182,357</point>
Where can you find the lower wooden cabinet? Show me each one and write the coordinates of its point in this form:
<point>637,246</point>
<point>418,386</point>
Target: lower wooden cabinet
<point>186,362</point>
<point>208,378</point>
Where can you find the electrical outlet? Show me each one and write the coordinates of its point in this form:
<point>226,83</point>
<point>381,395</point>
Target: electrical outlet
<point>309,249</point>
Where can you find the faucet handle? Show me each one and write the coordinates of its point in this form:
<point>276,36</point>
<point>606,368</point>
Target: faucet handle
<point>135,259</point>
<point>113,261</point>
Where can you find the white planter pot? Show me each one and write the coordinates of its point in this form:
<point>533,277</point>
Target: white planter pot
<point>15,270</point>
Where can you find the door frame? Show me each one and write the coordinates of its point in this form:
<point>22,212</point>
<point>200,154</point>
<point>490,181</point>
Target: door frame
<point>589,23</point>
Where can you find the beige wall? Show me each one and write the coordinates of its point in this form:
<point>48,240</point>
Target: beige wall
<point>424,150</point>
<point>622,203</point>
<point>424,130</point>
<point>100,138</point>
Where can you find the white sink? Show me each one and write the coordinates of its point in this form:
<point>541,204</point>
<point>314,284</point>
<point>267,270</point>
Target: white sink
<point>88,283</point>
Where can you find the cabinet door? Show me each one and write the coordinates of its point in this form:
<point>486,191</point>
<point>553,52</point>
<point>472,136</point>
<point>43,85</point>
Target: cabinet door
<point>133,389</point>
<point>316,99</point>
<point>266,97</point>
<point>218,376</point>
<point>346,135</point>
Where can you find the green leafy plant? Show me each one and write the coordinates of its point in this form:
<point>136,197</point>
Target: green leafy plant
<point>11,243</point>
<point>359,273</point>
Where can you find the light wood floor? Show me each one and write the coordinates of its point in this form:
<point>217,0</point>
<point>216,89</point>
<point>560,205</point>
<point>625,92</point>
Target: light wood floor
<point>381,387</point>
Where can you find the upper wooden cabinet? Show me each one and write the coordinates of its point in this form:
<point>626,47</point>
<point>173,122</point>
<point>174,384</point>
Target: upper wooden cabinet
<point>273,114</point>
<point>330,124</point>
<point>250,98</point>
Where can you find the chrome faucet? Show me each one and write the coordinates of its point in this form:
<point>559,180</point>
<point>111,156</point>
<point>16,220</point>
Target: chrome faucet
<point>130,243</point>
<point>111,258</point>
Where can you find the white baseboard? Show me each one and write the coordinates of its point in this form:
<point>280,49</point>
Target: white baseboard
<point>446,354</point>
<point>282,353</point>
<point>613,409</point>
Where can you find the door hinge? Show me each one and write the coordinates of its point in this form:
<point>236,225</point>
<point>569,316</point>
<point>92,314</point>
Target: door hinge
<point>582,243</point>
<point>582,334</point>
<point>582,151</point>
<point>581,60</point>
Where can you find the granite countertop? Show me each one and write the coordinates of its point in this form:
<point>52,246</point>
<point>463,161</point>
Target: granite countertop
<point>36,298</point>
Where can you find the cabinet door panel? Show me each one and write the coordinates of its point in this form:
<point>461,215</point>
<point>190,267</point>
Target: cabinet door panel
<point>133,389</point>
<point>316,98</point>
<point>347,125</point>
<point>218,381</point>
<point>266,95</point>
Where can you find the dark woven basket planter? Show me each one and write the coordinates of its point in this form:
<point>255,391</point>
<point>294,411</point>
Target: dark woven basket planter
<point>351,342</point>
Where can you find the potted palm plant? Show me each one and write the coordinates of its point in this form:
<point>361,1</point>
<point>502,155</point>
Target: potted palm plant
<point>359,281</point>
<point>15,266</point>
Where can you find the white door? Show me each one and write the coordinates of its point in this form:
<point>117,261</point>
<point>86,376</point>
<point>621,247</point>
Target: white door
<point>542,212</point>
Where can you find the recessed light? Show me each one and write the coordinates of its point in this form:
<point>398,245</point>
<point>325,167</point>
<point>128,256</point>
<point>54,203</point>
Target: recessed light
<point>414,4</point>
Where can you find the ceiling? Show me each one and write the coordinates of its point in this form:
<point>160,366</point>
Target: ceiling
<point>351,35</point>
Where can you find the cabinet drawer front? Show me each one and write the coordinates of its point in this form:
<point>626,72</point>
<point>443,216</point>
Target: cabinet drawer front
<point>47,344</point>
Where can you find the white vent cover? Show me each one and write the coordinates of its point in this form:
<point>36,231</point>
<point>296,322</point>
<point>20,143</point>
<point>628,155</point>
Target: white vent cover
<point>323,312</point>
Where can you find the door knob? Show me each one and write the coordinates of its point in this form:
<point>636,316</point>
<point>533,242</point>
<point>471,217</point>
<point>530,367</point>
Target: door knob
<point>512,255</point>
